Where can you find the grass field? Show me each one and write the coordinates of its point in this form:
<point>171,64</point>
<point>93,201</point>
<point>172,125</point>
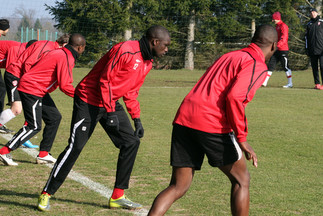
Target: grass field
<point>285,130</point>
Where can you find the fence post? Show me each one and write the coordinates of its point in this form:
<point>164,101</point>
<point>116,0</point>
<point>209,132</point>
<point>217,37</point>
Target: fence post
<point>32,33</point>
<point>22,35</point>
<point>38,34</point>
<point>46,32</point>
<point>27,32</point>
<point>55,36</point>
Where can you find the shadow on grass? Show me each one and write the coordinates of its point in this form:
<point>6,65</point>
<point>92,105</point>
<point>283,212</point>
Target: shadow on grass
<point>35,197</point>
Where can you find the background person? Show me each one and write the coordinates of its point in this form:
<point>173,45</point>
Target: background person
<point>118,74</point>
<point>314,46</point>
<point>281,53</point>
<point>207,116</point>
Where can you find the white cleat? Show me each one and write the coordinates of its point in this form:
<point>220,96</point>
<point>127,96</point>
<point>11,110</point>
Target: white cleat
<point>289,85</point>
<point>7,160</point>
<point>45,160</point>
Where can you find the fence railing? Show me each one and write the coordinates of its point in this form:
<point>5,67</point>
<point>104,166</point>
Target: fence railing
<point>28,34</point>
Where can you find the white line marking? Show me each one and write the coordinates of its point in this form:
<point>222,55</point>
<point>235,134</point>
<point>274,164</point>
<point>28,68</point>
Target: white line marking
<point>78,177</point>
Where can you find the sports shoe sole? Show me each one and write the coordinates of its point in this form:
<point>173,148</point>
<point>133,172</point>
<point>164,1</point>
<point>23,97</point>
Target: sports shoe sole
<point>44,162</point>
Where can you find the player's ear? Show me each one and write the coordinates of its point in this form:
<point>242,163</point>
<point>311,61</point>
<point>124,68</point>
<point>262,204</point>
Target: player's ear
<point>274,46</point>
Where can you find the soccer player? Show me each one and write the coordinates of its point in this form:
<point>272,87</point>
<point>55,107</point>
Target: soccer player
<point>314,46</point>
<point>4,50</point>
<point>207,116</point>
<point>282,51</point>
<point>53,70</point>
<point>17,68</point>
<point>118,74</point>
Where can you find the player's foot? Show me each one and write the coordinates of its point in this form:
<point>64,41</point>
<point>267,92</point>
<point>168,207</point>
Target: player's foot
<point>123,202</point>
<point>289,85</point>
<point>5,130</point>
<point>45,160</point>
<point>28,144</point>
<point>7,160</point>
<point>43,202</point>
<point>317,86</point>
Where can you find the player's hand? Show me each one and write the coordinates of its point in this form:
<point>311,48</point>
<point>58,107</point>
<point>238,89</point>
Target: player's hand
<point>249,153</point>
<point>139,132</point>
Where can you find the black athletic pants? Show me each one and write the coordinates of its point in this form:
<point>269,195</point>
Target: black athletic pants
<point>84,119</point>
<point>281,56</point>
<point>2,92</point>
<point>315,68</point>
<point>35,110</point>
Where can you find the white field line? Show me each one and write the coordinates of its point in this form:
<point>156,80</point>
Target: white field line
<point>78,177</point>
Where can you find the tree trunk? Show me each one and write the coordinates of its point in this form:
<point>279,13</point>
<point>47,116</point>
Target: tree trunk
<point>189,52</point>
<point>319,6</point>
<point>127,34</point>
<point>253,27</point>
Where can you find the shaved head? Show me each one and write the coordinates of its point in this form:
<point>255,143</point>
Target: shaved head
<point>76,39</point>
<point>158,32</point>
<point>265,35</point>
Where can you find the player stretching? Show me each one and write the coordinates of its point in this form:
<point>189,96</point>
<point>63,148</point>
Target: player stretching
<point>207,116</point>
<point>118,74</point>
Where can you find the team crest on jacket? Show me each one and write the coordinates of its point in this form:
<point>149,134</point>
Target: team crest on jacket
<point>15,83</point>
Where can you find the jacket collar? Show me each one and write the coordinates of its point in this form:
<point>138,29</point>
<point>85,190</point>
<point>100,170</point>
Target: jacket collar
<point>74,53</point>
<point>145,48</point>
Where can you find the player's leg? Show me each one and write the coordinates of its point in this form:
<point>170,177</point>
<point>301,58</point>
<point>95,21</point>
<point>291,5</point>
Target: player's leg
<point>321,68</point>
<point>315,69</point>
<point>13,99</point>
<point>83,122</point>
<point>240,178</point>
<point>271,67</point>
<point>125,140</point>
<point>33,119</point>
<point>180,182</point>
<point>52,118</point>
<point>284,61</point>
<point>7,115</point>
<point>186,156</point>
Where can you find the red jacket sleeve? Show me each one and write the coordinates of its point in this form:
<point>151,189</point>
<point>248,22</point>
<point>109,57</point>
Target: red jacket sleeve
<point>131,102</point>
<point>241,92</point>
<point>65,76</point>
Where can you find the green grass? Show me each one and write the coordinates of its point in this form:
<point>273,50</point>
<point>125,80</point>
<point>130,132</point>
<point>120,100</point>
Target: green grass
<point>285,130</point>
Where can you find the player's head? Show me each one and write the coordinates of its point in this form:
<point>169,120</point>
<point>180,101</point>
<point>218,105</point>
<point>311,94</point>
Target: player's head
<point>77,41</point>
<point>266,38</point>
<point>313,12</point>
<point>4,27</point>
<point>159,40</point>
<point>30,43</point>
<point>63,40</point>
<point>276,17</point>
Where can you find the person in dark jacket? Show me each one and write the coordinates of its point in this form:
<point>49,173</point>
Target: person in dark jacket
<point>314,46</point>
<point>118,74</point>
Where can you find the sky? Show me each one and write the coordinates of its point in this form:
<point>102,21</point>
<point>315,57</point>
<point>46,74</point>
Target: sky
<point>8,7</point>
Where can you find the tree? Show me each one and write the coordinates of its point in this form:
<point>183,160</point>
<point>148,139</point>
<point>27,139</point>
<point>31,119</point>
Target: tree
<point>37,24</point>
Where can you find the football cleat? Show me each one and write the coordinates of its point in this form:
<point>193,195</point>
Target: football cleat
<point>289,85</point>
<point>45,160</point>
<point>7,160</point>
<point>43,202</point>
<point>124,203</point>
